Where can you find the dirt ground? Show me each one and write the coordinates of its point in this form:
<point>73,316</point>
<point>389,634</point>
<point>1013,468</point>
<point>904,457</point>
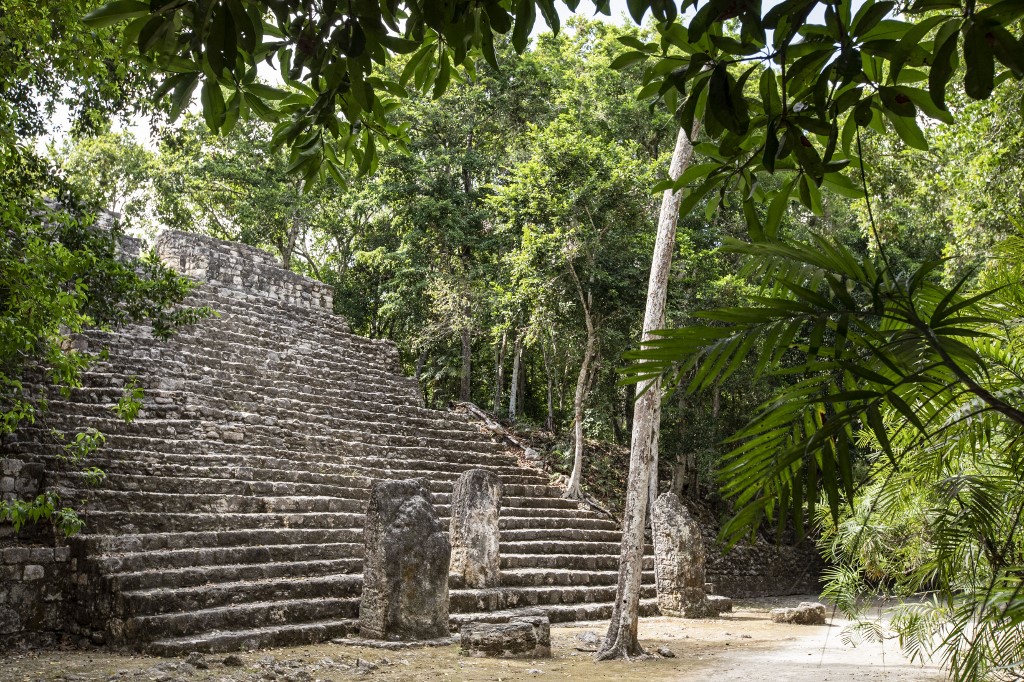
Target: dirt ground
<point>742,645</point>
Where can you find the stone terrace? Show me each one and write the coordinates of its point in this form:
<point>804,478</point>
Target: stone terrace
<point>232,512</point>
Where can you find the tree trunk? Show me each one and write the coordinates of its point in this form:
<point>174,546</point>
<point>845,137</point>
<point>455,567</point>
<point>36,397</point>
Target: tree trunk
<point>499,371</point>
<point>467,366</point>
<point>288,248</point>
<point>573,490</point>
<point>513,388</point>
<point>549,424</point>
<point>621,640</point>
<point>420,361</point>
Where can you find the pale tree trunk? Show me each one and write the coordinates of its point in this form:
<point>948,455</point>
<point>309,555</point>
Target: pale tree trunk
<point>499,372</point>
<point>513,389</point>
<point>573,490</point>
<point>621,640</point>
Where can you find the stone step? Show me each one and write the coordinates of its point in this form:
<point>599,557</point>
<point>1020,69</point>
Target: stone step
<point>222,556</point>
<point>97,545</point>
<point>503,598</point>
<point>232,513</point>
<point>245,369</point>
<point>253,615</point>
<point>555,534</point>
<point>134,522</point>
<point>357,489</point>
<point>286,433</point>
<point>211,454</point>
<point>225,641</point>
<point>578,547</point>
<point>594,522</point>
<point>126,501</point>
<point>168,600</point>
<point>353,459</point>
<point>573,562</point>
<point>536,577</point>
<point>562,613</point>
<point>193,576</point>
<point>231,339</point>
<point>162,402</point>
<point>164,522</point>
<point>115,464</point>
<point>196,385</point>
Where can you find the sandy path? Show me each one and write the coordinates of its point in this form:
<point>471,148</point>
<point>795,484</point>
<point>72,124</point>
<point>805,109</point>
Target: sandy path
<point>743,645</point>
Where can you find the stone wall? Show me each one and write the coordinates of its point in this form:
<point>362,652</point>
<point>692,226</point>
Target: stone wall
<point>34,568</point>
<point>250,271</point>
<point>33,588</point>
<point>762,569</point>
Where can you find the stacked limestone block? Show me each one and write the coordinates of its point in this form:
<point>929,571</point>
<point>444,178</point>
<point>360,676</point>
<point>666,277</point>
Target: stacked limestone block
<point>232,513</point>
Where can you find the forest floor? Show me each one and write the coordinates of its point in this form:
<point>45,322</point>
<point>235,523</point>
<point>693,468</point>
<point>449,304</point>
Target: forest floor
<point>742,645</point>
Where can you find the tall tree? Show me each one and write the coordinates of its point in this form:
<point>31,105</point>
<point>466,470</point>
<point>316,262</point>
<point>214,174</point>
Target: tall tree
<point>621,639</point>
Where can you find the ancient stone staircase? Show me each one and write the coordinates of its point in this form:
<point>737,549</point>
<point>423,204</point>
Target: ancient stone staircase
<point>231,513</point>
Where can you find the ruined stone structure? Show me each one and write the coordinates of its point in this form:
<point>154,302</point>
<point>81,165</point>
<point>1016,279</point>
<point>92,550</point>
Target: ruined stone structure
<point>526,637</point>
<point>679,562</point>
<point>405,565</point>
<point>475,529</point>
<point>232,515</point>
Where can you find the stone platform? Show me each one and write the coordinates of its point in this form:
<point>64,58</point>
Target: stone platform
<point>232,513</point>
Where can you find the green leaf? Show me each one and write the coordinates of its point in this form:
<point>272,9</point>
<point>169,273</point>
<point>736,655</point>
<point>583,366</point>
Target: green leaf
<point>212,100</point>
<point>637,8</point>
<point>908,130</point>
<point>924,102</point>
<point>869,16</point>
<point>843,186</point>
<point>444,75</point>
<point>980,77</point>
<point>944,65</point>
<point>267,92</point>
<point>628,58</point>
<point>777,209</point>
<point>115,12</point>
<point>724,105</point>
<point>526,15</point>
<point>1001,12</point>
<point>181,96</point>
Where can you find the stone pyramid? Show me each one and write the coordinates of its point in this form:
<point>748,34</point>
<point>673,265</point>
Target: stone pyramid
<point>231,514</point>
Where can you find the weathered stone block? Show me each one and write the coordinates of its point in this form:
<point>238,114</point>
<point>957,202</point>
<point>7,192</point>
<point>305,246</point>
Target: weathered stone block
<point>29,481</point>
<point>807,613</point>
<point>10,621</point>
<point>405,564</point>
<point>33,572</point>
<point>10,467</point>
<point>7,484</point>
<point>40,555</point>
<point>474,531</point>
<point>679,560</point>
<point>518,638</point>
<point>15,555</point>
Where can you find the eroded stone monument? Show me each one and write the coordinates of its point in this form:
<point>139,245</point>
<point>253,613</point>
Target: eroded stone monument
<point>405,567</point>
<point>474,531</point>
<point>807,613</point>
<point>679,561</point>
<point>528,637</point>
